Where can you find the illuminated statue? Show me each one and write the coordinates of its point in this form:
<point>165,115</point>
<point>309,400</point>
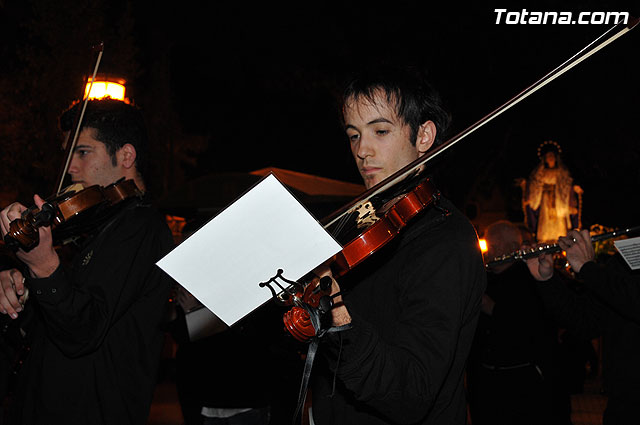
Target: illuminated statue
<point>551,203</point>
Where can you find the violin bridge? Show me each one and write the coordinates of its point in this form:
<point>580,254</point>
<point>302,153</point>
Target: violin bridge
<point>72,188</point>
<point>366,215</point>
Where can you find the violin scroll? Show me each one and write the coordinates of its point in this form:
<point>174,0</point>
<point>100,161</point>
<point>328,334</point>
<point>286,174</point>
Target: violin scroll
<point>315,297</point>
<point>23,232</point>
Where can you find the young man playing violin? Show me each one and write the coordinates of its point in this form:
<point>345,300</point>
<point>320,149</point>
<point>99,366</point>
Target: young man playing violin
<point>93,325</point>
<point>413,305</point>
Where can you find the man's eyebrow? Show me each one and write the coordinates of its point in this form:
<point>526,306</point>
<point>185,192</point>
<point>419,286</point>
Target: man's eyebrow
<point>379,120</point>
<point>81,147</point>
<point>376,121</point>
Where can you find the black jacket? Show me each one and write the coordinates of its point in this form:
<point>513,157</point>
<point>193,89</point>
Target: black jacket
<point>414,307</point>
<point>520,330</point>
<point>96,339</point>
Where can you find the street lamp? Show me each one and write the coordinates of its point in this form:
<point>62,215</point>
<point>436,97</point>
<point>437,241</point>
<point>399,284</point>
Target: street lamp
<point>107,87</point>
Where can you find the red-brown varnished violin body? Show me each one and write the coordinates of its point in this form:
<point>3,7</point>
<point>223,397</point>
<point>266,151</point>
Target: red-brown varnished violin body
<point>386,228</point>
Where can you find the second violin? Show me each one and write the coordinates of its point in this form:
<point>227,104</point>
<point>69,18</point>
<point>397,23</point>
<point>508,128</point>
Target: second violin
<point>23,232</point>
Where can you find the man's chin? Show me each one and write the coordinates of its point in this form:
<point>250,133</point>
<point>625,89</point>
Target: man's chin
<point>370,181</point>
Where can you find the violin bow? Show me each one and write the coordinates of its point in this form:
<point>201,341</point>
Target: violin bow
<point>72,139</point>
<point>414,167</point>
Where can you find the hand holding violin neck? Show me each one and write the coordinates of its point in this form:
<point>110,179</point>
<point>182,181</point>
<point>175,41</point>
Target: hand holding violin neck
<point>23,232</point>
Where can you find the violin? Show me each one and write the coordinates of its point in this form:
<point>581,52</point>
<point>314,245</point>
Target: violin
<point>23,232</point>
<point>410,195</point>
<point>397,214</point>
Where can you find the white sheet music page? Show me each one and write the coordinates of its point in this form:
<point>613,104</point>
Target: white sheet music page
<point>265,230</point>
<point>630,251</point>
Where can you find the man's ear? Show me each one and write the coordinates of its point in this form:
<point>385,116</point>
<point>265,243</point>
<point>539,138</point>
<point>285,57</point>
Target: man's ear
<point>426,137</point>
<point>127,156</point>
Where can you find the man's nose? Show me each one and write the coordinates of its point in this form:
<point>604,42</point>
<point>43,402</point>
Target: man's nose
<point>73,165</point>
<point>365,148</point>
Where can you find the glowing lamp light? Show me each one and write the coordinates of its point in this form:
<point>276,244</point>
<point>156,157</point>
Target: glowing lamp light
<point>102,88</point>
<point>483,245</point>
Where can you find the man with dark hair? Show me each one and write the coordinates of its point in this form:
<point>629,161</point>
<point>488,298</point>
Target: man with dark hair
<point>412,306</point>
<point>414,99</point>
<point>116,124</point>
<point>93,324</point>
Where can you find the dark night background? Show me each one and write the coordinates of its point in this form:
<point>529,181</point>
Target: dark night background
<point>234,87</point>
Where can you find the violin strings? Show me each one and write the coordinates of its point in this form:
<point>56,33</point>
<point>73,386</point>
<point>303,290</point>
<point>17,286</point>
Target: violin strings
<point>345,222</point>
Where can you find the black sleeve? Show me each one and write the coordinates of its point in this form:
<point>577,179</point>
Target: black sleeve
<point>114,272</point>
<point>615,285</point>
